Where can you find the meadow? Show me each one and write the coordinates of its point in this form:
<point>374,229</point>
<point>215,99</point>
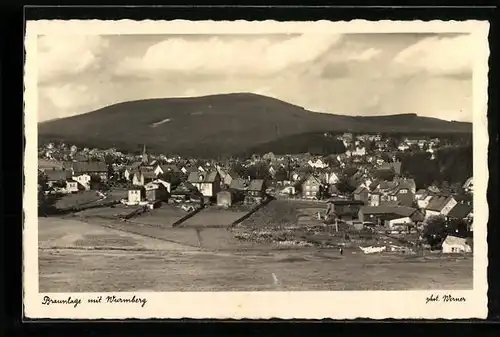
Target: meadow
<point>100,255</point>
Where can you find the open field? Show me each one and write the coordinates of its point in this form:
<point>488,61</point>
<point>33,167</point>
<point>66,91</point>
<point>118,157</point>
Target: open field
<point>75,256</point>
<point>212,217</point>
<point>85,198</point>
<point>165,216</point>
<point>108,212</point>
<point>77,199</point>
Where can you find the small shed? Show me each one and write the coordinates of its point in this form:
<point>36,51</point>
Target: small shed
<point>224,199</point>
<point>453,244</point>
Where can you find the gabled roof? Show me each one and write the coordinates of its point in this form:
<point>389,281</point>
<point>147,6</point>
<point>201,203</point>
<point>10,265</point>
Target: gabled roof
<point>460,211</point>
<point>90,166</point>
<point>170,168</point>
<point>256,185</point>
<point>239,184</point>
<point>384,209</point>
<point>360,189</point>
<point>202,177</point>
<point>400,184</point>
<point>162,182</point>
<point>136,188</point>
<point>313,178</point>
<point>453,240</point>
<point>433,189</point>
<point>57,175</point>
<point>135,165</point>
<point>147,174</point>
<point>184,188</point>
<point>436,203</point>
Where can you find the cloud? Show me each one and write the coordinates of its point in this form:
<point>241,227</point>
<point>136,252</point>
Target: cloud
<point>67,55</point>
<point>351,74</point>
<point>366,55</point>
<point>227,56</point>
<point>68,99</point>
<point>439,55</point>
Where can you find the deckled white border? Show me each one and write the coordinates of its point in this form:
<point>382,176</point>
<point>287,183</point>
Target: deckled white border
<point>263,305</point>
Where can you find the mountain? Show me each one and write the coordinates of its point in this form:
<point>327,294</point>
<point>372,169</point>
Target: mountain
<point>217,125</point>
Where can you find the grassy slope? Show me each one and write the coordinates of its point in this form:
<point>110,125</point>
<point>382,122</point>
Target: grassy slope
<point>218,124</point>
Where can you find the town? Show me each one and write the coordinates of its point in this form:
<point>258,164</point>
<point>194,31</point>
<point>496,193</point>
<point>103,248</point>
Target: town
<point>382,194</point>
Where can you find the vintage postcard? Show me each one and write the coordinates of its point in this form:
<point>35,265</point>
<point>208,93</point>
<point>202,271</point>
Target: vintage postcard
<point>232,170</point>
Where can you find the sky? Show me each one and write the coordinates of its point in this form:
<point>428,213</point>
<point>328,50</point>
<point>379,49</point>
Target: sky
<point>349,74</point>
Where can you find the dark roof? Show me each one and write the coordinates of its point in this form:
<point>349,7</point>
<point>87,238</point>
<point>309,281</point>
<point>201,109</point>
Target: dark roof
<point>392,187</point>
<point>437,203</point>
<point>202,177</point>
<point>90,166</point>
<point>57,175</point>
<point>147,174</point>
<point>311,176</point>
<point>395,166</point>
<point>136,188</point>
<point>360,189</point>
<point>233,174</point>
<point>460,211</point>
<point>256,185</point>
<point>374,185</point>
<point>239,184</point>
<point>135,165</point>
<point>384,209</point>
<point>433,189</point>
<point>170,168</point>
<point>184,188</point>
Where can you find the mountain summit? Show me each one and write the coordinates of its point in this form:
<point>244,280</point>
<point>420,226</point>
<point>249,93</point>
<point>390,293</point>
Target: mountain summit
<point>218,124</point>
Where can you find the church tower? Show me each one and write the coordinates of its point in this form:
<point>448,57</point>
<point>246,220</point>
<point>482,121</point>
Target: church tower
<point>145,160</point>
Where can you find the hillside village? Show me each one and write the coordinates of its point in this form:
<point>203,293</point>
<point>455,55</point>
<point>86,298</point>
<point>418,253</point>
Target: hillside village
<point>372,187</point>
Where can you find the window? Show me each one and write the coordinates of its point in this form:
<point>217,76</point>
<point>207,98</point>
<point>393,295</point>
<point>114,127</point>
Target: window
<point>404,191</point>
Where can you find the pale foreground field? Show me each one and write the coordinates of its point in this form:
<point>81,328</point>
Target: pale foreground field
<point>80,257</point>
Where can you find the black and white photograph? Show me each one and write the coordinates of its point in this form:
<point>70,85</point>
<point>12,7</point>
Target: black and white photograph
<point>253,160</point>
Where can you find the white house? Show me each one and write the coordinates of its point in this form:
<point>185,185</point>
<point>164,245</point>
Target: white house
<point>359,151</point>
<point>207,183</point>
<point>136,195</point>
<point>403,147</point>
<point>71,186</point>
<point>317,164</point>
<point>453,244</point>
<point>331,178</point>
<point>289,190</point>
<point>399,221</point>
<point>84,180</point>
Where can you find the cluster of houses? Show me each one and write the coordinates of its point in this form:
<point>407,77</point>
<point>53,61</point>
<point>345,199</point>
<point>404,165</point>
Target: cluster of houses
<point>158,178</point>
